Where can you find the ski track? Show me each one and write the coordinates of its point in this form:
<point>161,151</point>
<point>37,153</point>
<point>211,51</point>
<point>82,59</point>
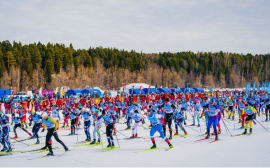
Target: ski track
<point>230,151</point>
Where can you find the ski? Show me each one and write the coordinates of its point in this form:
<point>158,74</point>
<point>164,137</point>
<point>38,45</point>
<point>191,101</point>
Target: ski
<point>37,150</point>
<point>35,144</point>
<point>171,148</point>
<point>103,148</point>
<point>202,139</point>
<point>5,152</point>
<point>26,139</point>
<point>71,134</point>
<point>238,135</point>
<point>110,149</point>
<point>47,156</point>
<point>131,138</point>
<point>88,145</point>
<point>45,150</point>
<point>214,141</point>
<point>96,144</point>
<point>149,149</point>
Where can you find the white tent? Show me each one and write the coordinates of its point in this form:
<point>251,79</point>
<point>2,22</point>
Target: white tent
<point>102,91</point>
<point>136,86</point>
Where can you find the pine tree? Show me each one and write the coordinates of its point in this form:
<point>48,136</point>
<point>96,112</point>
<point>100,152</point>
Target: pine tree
<point>49,68</point>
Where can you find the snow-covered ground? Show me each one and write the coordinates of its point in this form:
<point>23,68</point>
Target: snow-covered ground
<point>253,150</point>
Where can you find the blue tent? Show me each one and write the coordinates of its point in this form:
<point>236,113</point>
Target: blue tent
<point>87,91</point>
<point>165,90</point>
<point>4,92</point>
<point>187,90</point>
<point>74,91</point>
<point>146,90</point>
<point>136,91</point>
<point>175,90</point>
<point>198,89</point>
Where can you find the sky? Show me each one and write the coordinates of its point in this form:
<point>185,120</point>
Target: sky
<point>150,26</point>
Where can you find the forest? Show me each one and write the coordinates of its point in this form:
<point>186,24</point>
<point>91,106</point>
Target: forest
<point>55,65</point>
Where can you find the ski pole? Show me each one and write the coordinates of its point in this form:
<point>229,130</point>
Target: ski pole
<point>262,125</point>
<point>116,135</point>
<point>122,134</point>
<point>226,126</point>
<point>21,142</point>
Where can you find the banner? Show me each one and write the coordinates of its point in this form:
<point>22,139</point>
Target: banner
<point>40,91</point>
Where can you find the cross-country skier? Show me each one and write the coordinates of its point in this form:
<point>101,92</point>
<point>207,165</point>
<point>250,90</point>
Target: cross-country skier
<point>109,128</point>
<point>153,117</point>
<point>98,123</point>
<point>37,119</point>
<point>52,126</point>
<point>4,132</point>
<point>138,119</point>
<point>87,123</point>
<point>17,120</point>
<point>251,112</point>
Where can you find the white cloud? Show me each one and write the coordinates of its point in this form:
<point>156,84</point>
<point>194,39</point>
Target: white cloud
<point>144,25</point>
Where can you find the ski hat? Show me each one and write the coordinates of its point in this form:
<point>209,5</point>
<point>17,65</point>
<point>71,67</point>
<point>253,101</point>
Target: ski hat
<point>44,115</point>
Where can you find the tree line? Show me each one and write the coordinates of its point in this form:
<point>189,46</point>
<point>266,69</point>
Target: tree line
<point>55,65</point>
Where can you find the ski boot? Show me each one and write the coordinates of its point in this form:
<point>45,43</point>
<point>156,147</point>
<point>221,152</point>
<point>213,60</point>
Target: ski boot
<point>98,141</point>
<point>63,126</point>
<point>170,145</point>
<point>132,136</point>
<point>219,131</point>
<point>37,141</point>
<point>44,148</point>
<point>242,127</point>
<point>66,148</point>
<point>136,136</point>
<point>15,137</point>
<point>4,149</point>
<point>9,150</point>
<point>93,142</point>
<point>213,133</point>
<point>50,154</point>
<point>176,133</point>
<point>185,123</point>
<point>88,139</point>
<point>216,135</point>
<point>250,132</point>
<point>208,135</point>
<point>109,145</point>
<point>266,119</point>
<point>192,124</point>
<point>128,128</point>
<point>170,138</point>
<point>198,125</point>
<point>239,121</point>
<point>154,145</point>
<point>244,133</point>
<point>32,137</point>
<point>233,118</point>
<point>185,132</point>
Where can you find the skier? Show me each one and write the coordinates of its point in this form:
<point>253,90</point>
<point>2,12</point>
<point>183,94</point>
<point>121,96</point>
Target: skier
<point>16,119</point>
<point>37,123</point>
<point>52,126</point>
<point>169,108</point>
<point>73,118</point>
<point>153,117</point>
<point>4,132</point>
<point>179,120</point>
<point>213,118</point>
<point>138,119</point>
<point>87,123</point>
<point>98,122</point>
<point>251,112</point>
<point>196,113</point>
<point>109,128</point>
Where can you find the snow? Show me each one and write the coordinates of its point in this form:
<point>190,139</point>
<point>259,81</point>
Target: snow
<point>244,151</point>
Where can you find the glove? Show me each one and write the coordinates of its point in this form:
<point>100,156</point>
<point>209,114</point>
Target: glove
<point>30,124</point>
<point>54,131</point>
<point>43,130</point>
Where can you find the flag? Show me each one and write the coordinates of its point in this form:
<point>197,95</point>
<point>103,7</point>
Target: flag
<point>26,90</point>
<point>254,85</point>
<point>149,90</point>
<point>14,90</point>
<point>124,87</point>
<point>141,89</point>
<point>40,91</point>
<point>258,87</point>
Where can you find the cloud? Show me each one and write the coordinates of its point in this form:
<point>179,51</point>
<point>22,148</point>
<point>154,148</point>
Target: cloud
<point>150,26</point>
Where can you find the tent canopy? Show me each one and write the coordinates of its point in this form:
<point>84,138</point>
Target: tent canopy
<point>87,91</point>
<point>164,90</point>
<point>74,91</point>
<point>187,90</point>
<point>175,90</point>
<point>4,92</point>
<point>198,89</point>
<point>146,90</point>
<point>136,91</point>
